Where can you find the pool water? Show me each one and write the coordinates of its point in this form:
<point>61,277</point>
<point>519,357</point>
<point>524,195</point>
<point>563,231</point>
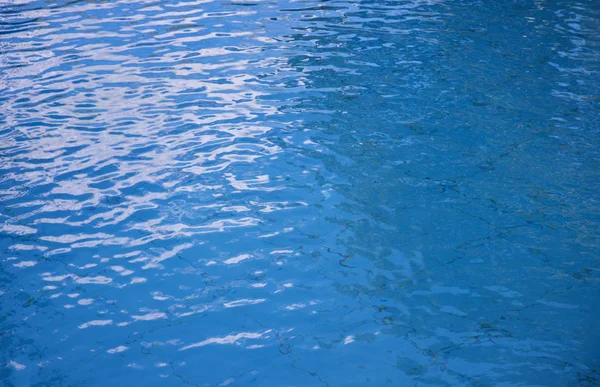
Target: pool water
<point>299,193</point>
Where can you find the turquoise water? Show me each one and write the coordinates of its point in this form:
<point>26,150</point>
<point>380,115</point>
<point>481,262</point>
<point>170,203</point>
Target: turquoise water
<point>299,193</point>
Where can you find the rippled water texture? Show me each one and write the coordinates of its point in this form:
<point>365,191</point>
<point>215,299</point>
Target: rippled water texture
<point>299,193</point>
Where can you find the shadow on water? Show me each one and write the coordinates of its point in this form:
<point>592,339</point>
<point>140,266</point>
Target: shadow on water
<point>461,179</point>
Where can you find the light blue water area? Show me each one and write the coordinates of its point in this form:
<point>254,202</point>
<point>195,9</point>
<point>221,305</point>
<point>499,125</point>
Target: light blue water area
<point>299,193</point>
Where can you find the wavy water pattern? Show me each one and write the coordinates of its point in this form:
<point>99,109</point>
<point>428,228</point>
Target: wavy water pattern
<point>338,193</point>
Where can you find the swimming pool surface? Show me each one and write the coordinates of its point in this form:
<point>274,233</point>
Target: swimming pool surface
<point>299,193</point>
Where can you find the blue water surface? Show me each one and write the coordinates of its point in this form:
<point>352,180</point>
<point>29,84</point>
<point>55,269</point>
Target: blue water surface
<point>299,193</point>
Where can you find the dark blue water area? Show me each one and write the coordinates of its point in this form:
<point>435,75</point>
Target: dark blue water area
<point>299,193</point>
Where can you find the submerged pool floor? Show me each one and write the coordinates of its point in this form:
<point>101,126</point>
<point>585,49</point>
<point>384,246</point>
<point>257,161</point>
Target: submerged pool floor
<point>299,193</point>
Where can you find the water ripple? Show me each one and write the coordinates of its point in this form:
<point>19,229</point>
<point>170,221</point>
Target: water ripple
<point>338,193</point>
